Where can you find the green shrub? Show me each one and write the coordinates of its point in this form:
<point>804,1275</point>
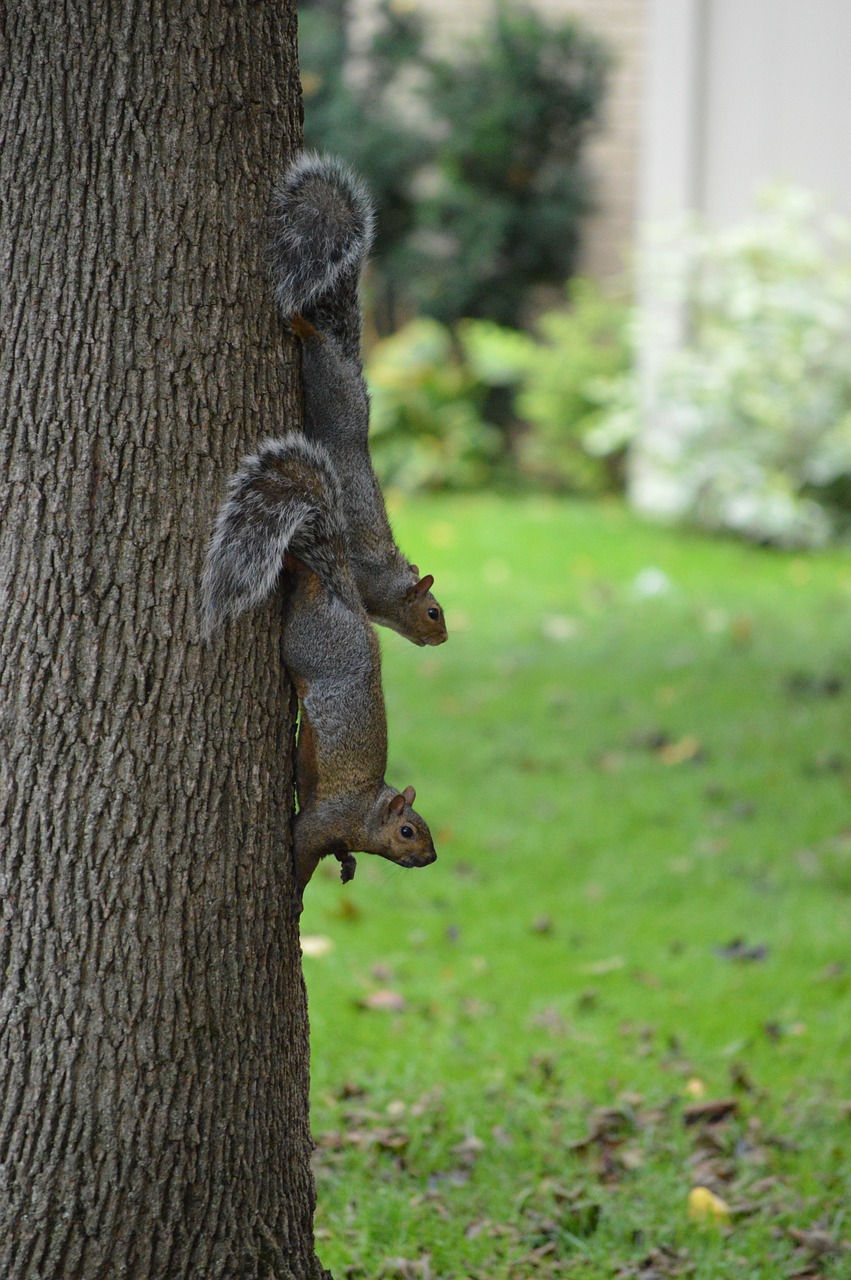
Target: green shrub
<point>756,402</point>
<point>434,396</point>
<point>428,431</point>
<point>568,389</point>
<point>510,188</point>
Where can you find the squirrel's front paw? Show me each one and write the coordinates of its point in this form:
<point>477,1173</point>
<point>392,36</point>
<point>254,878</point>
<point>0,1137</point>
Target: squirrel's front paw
<point>348,867</point>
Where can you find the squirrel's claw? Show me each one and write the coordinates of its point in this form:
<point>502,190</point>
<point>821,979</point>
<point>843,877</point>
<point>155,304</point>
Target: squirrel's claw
<point>348,867</point>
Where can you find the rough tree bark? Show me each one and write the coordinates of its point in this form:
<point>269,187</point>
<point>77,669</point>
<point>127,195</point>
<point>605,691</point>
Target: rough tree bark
<point>153,1023</point>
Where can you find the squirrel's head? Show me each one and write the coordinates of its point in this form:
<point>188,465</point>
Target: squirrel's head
<point>400,834</point>
<point>422,617</point>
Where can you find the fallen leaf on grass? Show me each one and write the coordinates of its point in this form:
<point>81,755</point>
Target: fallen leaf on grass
<point>473,1008</point>
<point>447,1178</point>
<point>740,1079</point>
<point>606,1146</point>
<point>384,1001</point>
<point>805,684</point>
<point>708,1169</point>
<point>542,924</point>
<point>688,748</point>
<point>608,1124</point>
<point>334,1140</point>
<point>710,1112</point>
<point>609,761</point>
<point>658,1264</point>
<point>825,762</point>
<point>316,944</point>
<point>468,1151</point>
<point>406,1269</point>
<point>646,979</point>
<point>391,1139</point>
<point>384,1139</point>
<point>350,1089</point>
<point>559,628</point>
<point>738,949</point>
<point>631,1158</point>
<point>549,1019</point>
<point>598,968</point>
<point>741,630</point>
<point>818,1243</point>
<point>436,1206</point>
<point>650,739</point>
<point>430,1101</point>
<point>813,1246</point>
<point>704,1206</point>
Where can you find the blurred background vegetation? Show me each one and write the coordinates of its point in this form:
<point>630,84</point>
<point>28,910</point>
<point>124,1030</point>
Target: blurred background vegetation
<point>627,977</point>
<point>491,364</point>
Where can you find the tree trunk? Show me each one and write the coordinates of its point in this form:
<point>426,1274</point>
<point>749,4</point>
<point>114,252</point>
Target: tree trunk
<point>153,1023</point>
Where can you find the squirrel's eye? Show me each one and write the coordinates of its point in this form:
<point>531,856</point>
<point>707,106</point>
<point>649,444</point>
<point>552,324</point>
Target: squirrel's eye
<point>434,614</point>
<point>407,832</point>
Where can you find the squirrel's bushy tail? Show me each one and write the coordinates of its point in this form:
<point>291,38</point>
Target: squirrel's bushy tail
<point>322,230</point>
<point>285,498</point>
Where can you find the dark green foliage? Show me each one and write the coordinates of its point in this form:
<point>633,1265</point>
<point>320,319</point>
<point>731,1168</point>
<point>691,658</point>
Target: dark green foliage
<point>490,140</point>
<point>434,389</point>
<point>516,111</point>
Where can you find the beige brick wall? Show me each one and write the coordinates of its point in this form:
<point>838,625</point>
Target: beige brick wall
<point>613,153</point>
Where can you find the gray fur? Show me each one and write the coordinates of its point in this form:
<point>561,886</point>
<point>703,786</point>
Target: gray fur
<point>336,415</point>
<point>332,653</point>
<point>322,231</point>
<point>323,227</point>
<point>285,498</point>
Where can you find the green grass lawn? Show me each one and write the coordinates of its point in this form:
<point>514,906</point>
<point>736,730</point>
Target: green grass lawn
<point>634,751</point>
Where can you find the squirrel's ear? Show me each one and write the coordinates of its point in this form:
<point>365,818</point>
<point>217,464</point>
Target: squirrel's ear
<point>410,795</point>
<point>420,588</point>
<point>414,568</point>
<point>396,806</point>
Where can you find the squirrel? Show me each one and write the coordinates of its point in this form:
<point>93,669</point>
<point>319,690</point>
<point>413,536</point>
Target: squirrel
<point>284,512</point>
<point>322,232</point>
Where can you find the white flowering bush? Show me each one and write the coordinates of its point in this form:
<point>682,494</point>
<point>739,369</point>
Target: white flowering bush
<point>746,424</point>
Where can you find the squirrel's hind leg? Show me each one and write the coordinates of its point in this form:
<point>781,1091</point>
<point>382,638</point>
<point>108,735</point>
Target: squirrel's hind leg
<point>307,850</point>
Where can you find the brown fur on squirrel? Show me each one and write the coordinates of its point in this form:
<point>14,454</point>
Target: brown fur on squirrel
<point>284,512</point>
<point>322,233</point>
